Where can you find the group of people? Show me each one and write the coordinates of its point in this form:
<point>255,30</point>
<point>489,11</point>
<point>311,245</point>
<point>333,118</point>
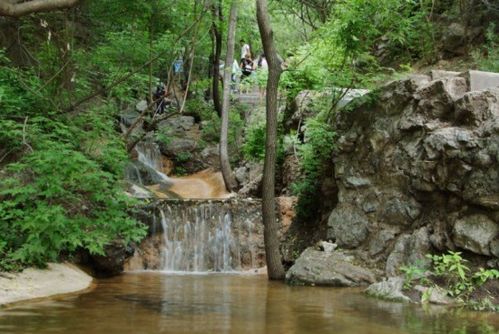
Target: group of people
<point>246,73</point>
<point>246,69</point>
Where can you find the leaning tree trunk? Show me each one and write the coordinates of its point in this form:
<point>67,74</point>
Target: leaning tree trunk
<point>275,268</point>
<point>217,37</point>
<point>224,129</point>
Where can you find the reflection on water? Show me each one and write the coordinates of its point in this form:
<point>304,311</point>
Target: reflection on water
<point>157,303</point>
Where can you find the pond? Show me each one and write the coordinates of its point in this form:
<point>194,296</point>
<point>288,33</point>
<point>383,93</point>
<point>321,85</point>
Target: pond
<point>227,303</point>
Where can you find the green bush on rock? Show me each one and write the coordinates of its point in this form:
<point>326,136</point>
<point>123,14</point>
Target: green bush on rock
<point>58,200</point>
<point>315,154</point>
<point>452,273</point>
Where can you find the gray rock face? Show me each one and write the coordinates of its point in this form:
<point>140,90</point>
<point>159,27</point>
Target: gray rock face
<point>479,80</point>
<point>211,156</point>
<point>416,166</point>
<point>476,233</point>
<point>178,145</point>
<point>494,247</point>
<point>328,269</point>
<point>409,250</point>
<point>348,226</point>
<point>177,125</point>
<point>241,174</point>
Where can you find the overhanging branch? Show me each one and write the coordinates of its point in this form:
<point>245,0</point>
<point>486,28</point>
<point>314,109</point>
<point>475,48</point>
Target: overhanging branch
<point>18,9</point>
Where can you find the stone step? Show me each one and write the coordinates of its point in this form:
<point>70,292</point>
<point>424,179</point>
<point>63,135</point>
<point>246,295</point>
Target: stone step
<point>440,74</point>
<point>477,80</point>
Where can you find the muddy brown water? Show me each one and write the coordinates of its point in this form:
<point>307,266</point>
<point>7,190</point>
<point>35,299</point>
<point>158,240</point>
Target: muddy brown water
<point>216,303</point>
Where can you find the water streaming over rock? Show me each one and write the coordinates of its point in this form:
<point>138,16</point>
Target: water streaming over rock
<point>149,154</point>
<point>147,169</point>
<point>202,236</point>
<point>195,235</point>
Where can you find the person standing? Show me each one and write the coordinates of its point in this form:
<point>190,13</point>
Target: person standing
<point>247,69</point>
<point>247,65</point>
<point>245,49</point>
<point>160,98</point>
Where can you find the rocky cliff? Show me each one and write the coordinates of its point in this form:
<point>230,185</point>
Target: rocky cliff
<point>416,167</point>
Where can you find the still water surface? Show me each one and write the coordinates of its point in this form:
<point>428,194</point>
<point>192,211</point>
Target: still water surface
<point>160,303</point>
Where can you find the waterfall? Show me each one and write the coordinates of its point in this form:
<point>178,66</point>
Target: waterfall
<point>204,236</point>
<point>149,154</point>
<point>147,170</point>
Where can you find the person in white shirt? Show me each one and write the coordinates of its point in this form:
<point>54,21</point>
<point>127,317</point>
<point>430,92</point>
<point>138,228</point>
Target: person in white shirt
<point>245,49</point>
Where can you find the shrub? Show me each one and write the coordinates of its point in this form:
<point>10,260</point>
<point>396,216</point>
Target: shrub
<point>254,145</point>
<point>57,200</point>
<point>64,191</point>
<point>487,59</point>
<point>315,155</point>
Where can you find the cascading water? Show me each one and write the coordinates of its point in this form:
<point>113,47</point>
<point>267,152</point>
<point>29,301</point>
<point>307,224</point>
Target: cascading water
<point>146,170</point>
<point>190,235</point>
<point>150,155</point>
<point>203,236</point>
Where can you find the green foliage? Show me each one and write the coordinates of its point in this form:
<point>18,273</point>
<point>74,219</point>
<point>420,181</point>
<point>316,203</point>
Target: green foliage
<point>487,59</point>
<point>63,193</point>
<point>452,266</point>
<point>210,124</point>
<point>351,48</point>
<point>460,281</point>
<point>56,200</point>
<point>482,276</point>
<point>412,273</point>
<point>183,157</point>
<point>315,156</point>
<point>254,144</point>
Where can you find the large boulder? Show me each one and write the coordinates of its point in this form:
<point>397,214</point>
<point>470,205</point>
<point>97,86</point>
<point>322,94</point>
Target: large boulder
<point>328,269</point>
<point>475,233</point>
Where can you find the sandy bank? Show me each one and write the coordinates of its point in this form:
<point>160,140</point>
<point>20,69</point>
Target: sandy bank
<point>56,279</point>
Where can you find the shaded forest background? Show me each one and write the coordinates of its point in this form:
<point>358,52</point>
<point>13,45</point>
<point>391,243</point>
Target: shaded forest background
<point>66,76</point>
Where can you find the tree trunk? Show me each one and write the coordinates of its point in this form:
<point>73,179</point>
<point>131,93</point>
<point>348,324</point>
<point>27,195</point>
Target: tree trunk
<point>217,36</point>
<point>150,97</point>
<point>275,268</point>
<point>224,128</point>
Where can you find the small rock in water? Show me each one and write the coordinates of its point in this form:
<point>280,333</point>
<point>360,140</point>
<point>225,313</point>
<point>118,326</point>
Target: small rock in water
<point>436,295</point>
<point>390,289</point>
